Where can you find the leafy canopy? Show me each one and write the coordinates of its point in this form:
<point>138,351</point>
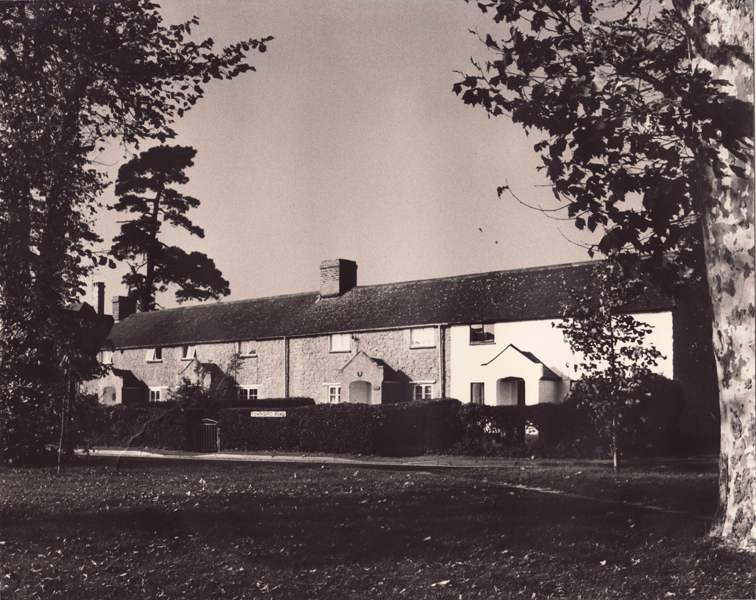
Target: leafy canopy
<point>624,111</point>
<point>75,77</point>
<point>145,188</point>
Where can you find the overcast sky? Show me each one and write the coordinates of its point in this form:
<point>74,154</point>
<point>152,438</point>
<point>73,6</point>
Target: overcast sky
<point>348,142</point>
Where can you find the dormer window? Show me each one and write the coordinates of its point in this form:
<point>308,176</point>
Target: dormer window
<point>482,333</point>
<point>155,355</point>
<point>246,349</point>
<point>188,352</point>
<point>341,342</point>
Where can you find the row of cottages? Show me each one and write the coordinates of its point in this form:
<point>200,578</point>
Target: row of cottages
<point>484,338</point>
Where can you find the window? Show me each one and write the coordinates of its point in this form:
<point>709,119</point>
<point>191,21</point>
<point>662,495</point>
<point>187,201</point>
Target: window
<point>188,352</point>
<point>482,333</point>
<point>246,349</point>
<point>422,391</point>
<point>156,394</point>
<point>341,342</point>
<point>247,392</point>
<point>154,355</point>
<point>477,393</point>
<point>106,357</point>
<point>422,337</point>
<point>334,394</point>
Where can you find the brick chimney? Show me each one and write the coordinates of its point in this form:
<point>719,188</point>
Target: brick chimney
<point>100,297</point>
<point>337,277</point>
<point>123,306</point>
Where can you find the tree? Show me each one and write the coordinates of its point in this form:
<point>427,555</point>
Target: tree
<point>616,357</point>
<point>73,76</point>
<point>646,115</point>
<point>144,187</point>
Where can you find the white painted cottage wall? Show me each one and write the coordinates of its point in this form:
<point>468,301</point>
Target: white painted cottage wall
<point>544,341</point>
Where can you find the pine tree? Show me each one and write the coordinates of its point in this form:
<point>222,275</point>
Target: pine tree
<point>145,187</point>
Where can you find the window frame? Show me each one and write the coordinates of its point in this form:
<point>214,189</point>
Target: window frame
<point>243,392</point>
<point>482,396</point>
<point>432,344</point>
<point>486,329</point>
<point>155,355</point>
<point>245,350</point>
<point>347,336</point>
<point>424,387</point>
<point>156,389</point>
<point>334,398</point>
<point>185,352</point>
<point>104,355</point>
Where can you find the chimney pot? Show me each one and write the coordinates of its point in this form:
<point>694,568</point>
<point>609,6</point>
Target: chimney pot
<point>123,306</point>
<point>337,277</point>
<point>100,287</point>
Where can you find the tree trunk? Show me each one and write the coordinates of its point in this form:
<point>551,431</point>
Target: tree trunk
<point>721,31</point>
<point>615,446</point>
<point>148,299</point>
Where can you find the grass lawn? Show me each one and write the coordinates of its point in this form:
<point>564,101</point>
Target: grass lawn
<point>221,530</point>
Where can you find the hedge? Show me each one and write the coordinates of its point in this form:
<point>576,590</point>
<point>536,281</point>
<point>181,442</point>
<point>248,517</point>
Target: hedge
<point>498,429</point>
<point>341,428</point>
<point>402,429</point>
<point>155,427</point>
<point>394,429</point>
<point>650,424</point>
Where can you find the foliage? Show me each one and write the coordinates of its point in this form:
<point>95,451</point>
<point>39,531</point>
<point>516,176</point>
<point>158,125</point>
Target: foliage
<point>650,424</point>
<point>627,114</point>
<point>615,356</point>
<point>392,429</point>
<point>145,188</point>
<point>74,77</point>
<point>502,429</point>
<point>168,427</point>
<point>210,387</point>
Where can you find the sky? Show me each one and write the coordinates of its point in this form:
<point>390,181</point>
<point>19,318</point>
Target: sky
<point>347,142</point>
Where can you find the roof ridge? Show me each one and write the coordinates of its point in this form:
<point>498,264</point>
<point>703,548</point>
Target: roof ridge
<point>226,302</point>
<point>469,275</point>
<point>386,284</point>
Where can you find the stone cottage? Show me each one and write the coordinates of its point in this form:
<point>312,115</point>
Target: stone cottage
<point>484,338</point>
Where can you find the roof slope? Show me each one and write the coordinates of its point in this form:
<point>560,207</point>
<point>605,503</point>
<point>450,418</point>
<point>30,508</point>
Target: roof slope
<point>517,295</point>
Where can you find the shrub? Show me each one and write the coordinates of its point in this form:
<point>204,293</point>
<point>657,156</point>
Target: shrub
<point>419,427</point>
<point>502,429</point>
<point>156,427</point>
<point>346,428</point>
<point>649,420</point>
<point>342,428</point>
<point>270,403</point>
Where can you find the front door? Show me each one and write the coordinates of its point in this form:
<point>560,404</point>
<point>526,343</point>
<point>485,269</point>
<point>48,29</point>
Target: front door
<point>360,392</point>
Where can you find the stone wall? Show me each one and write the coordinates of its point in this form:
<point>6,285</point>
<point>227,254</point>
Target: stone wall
<point>266,370</point>
<point>312,364</point>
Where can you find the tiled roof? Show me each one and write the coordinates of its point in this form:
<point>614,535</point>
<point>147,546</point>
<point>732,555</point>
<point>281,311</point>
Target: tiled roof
<point>516,295</point>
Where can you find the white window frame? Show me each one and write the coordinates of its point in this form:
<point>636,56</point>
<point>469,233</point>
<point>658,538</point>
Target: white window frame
<point>486,328</point>
<point>152,354</point>
<point>246,349</point>
<point>106,357</point>
<point>244,392</point>
<point>334,393</point>
<point>188,352</point>
<point>423,342</point>
<point>159,391</point>
<point>425,388</point>
<point>340,338</point>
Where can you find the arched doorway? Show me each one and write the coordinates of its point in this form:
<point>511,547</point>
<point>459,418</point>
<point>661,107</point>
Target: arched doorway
<point>510,391</point>
<point>109,395</point>
<point>360,391</point>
